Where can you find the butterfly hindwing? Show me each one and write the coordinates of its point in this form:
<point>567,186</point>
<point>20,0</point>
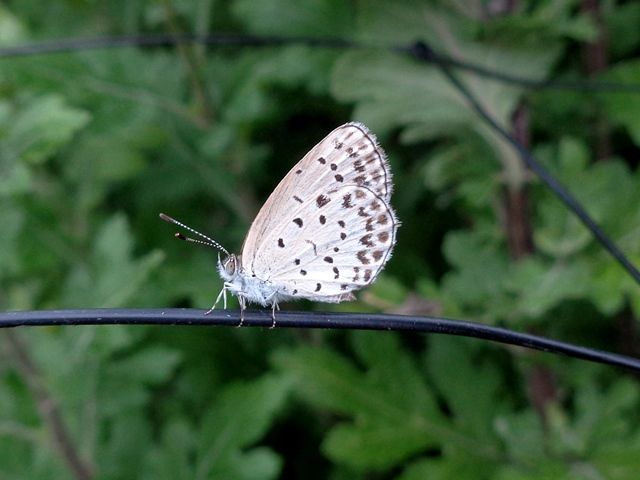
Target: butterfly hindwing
<point>345,250</point>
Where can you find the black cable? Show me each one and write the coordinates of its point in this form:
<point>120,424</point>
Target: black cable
<point>167,40</point>
<point>242,40</point>
<point>288,319</point>
<point>424,53</point>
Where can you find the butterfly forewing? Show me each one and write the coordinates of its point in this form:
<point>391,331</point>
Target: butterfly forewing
<point>327,228</point>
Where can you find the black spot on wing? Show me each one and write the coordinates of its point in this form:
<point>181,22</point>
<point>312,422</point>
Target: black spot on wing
<point>322,200</point>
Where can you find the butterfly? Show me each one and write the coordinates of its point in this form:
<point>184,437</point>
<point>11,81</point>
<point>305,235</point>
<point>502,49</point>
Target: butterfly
<point>327,230</point>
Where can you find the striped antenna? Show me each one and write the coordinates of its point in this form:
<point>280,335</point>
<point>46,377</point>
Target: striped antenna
<point>209,241</point>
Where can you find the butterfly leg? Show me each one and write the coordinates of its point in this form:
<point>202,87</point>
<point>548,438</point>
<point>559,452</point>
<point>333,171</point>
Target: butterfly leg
<point>274,307</point>
<point>243,306</point>
<point>223,295</point>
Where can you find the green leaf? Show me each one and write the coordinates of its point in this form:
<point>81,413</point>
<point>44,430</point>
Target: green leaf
<point>11,29</point>
<point>548,20</point>
<point>476,259</point>
<point>601,188</point>
<point>372,447</point>
<point>578,443</point>
<point>223,446</point>
<point>539,286</point>
<point>12,221</point>
<point>120,456</point>
<point>394,413</point>
<point>624,108</point>
<point>237,419</point>
<point>392,91</point>
<point>443,469</point>
<point>620,23</point>
<point>373,80</point>
<point>403,22</point>
<point>112,277</point>
<point>172,459</point>
<point>40,128</point>
<point>473,400</point>
<point>522,436</point>
<point>150,366</point>
<point>304,17</point>
<point>31,131</point>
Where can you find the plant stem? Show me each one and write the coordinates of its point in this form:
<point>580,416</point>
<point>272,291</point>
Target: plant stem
<point>48,408</point>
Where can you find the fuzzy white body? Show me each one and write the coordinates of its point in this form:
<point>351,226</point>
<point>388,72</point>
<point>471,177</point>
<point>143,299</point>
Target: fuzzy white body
<point>251,288</point>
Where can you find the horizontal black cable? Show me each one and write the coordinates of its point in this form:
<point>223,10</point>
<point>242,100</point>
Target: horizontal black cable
<point>288,319</point>
<point>424,53</point>
<point>167,40</point>
<point>243,40</point>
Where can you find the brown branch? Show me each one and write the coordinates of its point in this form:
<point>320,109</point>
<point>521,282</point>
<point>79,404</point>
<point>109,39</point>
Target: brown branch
<point>49,411</point>
<point>518,221</point>
<point>595,57</point>
<point>541,385</point>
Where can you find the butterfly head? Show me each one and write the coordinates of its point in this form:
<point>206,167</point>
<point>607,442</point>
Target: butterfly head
<point>229,267</point>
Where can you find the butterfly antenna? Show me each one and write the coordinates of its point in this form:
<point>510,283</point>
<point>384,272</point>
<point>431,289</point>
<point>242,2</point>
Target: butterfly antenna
<point>209,241</point>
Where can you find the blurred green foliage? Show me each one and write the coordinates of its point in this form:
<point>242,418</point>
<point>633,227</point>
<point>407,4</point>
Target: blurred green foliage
<point>95,143</point>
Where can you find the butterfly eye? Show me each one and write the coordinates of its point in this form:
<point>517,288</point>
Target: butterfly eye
<point>229,265</point>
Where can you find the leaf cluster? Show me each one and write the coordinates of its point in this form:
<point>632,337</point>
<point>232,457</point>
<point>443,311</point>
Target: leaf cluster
<point>93,144</point>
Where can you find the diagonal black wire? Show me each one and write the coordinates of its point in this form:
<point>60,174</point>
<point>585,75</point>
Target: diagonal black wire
<point>288,319</point>
<point>571,85</point>
<point>243,40</point>
<point>424,53</point>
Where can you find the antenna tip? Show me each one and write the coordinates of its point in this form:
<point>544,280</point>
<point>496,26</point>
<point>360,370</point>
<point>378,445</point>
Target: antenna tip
<point>164,217</point>
<point>180,236</point>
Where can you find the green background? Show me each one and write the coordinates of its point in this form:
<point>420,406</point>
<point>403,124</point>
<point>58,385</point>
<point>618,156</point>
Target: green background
<point>95,143</point>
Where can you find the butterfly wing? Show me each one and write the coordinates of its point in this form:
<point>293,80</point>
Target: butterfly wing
<point>328,228</point>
